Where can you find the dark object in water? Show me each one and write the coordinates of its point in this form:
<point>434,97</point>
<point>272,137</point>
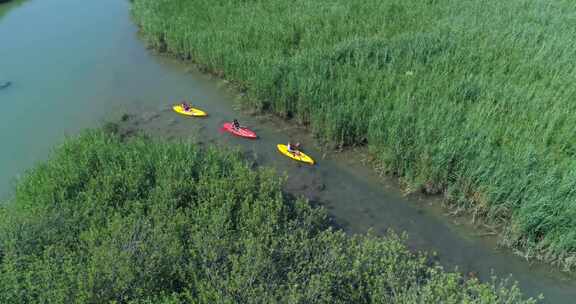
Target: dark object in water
<point>4,84</point>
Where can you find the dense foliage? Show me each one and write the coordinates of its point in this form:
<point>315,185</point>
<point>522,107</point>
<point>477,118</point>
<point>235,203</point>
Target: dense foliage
<point>473,99</point>
<point>138,221</point>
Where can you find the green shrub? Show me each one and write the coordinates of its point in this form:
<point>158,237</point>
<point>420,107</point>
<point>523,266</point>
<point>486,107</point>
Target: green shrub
<point>112,220</point>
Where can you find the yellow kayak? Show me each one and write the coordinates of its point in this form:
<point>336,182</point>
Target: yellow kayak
<point>299,157</point>
<point>191,112</point>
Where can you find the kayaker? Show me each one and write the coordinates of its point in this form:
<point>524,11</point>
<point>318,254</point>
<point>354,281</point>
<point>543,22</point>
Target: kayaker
<point>236,125</point>
<point>186,106</point>
<point>294,148</point>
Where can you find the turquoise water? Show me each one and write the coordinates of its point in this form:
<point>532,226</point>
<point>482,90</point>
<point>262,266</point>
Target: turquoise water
<point>75,63</point>
<point>72,64</point>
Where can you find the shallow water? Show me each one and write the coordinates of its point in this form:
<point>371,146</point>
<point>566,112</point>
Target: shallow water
<point>71,64</point>
<point>87,65</point>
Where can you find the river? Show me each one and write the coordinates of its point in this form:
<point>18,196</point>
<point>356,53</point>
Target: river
<point>74,64</point>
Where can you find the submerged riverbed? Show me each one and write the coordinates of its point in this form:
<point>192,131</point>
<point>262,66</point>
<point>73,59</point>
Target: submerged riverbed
<point>88,65</point>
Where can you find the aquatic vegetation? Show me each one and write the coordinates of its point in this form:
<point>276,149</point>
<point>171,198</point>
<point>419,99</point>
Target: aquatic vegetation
<point>472,99</point>
<point>131,220</point>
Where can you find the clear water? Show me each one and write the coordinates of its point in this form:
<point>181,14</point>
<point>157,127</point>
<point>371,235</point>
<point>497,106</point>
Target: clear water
<point>71,64</point>
<point>75,63</point>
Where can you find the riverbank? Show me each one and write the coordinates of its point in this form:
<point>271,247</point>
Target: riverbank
<point>109,214</point>
<point>432,91</point>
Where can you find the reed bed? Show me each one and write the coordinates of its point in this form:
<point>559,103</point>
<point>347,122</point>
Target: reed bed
<point>472,99</point>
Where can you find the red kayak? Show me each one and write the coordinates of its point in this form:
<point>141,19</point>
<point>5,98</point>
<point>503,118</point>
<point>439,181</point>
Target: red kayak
<point>242,132</point>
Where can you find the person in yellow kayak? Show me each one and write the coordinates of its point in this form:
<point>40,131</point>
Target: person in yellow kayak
<point>187,107</point>
<point>294,148</point>
<point>236,125</point>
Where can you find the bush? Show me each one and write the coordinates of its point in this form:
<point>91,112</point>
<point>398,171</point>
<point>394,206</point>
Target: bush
<point>112,220</point>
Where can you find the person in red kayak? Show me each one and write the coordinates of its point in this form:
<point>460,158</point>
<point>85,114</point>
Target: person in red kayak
<point>236,125</point>
<point>294,148</point>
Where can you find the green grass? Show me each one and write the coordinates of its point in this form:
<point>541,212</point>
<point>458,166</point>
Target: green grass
<point>472,99</point>
<point>111,220</point>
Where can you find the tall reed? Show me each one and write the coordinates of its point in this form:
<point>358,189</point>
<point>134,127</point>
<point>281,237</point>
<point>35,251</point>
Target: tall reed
<point>473,99</point>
